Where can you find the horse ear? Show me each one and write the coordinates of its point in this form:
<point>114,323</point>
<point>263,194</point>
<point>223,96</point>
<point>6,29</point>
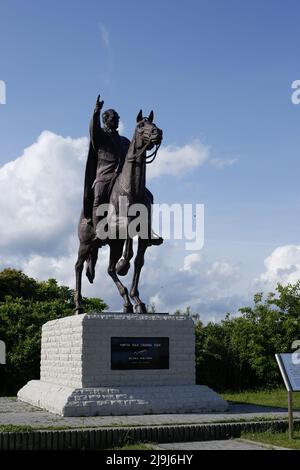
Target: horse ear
<point>139,116</point>
<point>151,116</point>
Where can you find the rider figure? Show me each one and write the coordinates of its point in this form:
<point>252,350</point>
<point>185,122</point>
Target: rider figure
<point>110,149</point>
<point>106,157</point>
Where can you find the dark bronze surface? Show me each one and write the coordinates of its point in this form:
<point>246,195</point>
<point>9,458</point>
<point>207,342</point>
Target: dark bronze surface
<point>116,168</point>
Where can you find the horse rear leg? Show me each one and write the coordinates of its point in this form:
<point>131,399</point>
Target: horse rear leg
<point>83,254</point>
<point>116,249</point>
<point>91,263</point>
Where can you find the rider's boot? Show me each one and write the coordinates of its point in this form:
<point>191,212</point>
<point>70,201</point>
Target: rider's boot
<point>154,239</point>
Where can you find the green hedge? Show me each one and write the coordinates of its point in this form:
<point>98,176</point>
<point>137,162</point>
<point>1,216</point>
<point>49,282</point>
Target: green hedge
<point>25,305</point>
<point>239,352</point>
<point>235,354</point>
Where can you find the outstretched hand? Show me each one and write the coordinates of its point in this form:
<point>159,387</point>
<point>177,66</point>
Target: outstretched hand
<point>99,104</point>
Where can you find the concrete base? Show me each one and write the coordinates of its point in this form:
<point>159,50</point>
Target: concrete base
<point>80,378</point>
<point>118,401</point>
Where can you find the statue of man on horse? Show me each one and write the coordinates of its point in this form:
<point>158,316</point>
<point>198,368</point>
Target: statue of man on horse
<point>116,169</point>
<point>106,156</point>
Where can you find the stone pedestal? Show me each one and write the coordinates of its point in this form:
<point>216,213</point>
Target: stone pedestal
<point>118,364</point>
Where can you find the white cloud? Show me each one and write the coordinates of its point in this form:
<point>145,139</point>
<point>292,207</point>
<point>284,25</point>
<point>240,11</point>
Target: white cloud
<point>40,203</point>
<point>2,92</point>
<point>105,36</point>
<point>44,267</point>
<point>283,265</point>
<point>41,191</point>
<point>222,269</point>
<point>210,288</point>
<point>191,261</point>
<point>220,163</point>
<point>218,270</point>
<point>121,128</point>
<point>177,161</point>
<point>41,194</point>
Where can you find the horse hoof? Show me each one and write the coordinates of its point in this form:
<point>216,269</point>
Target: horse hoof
<point>140,308</point>
<point>90,276</point>
<point>128,309</point>
<point>122,267</point>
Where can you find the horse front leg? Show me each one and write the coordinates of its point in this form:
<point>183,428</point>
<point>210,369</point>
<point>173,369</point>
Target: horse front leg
<point>123,264</point>
<point>116,249</point>
<point>139,307</point>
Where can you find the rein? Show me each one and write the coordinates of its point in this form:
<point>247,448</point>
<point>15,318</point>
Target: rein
<point>153,154</point>
<point>138,154</point>
<point>143,149</point>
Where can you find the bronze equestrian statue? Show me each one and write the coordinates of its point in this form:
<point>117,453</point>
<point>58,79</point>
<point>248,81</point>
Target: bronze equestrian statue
<point>116,170</point>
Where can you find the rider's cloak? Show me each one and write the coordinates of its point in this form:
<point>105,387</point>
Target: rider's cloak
<point>89,178</point>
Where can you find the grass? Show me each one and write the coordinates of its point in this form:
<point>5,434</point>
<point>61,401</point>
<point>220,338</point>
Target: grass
<point>15,428</point>
<point>280,439</point>
<point>125,446</point>
<point>137,446</point>
<point>28,428</point>
<point>276,398</point>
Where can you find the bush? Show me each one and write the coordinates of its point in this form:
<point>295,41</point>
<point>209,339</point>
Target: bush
<point>235,354</point>
<point>25,305</point>
<point>239,353</point>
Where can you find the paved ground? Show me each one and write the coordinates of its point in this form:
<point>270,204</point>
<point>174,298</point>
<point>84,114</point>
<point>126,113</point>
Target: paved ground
<point>19,413</point>
<point>231,444</point>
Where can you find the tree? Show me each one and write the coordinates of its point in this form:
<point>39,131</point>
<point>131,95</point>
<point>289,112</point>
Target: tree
<point>25,305</point>
<point>239,352</point>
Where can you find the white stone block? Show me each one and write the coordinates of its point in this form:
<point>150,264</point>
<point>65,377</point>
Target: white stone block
<point>77,378</point>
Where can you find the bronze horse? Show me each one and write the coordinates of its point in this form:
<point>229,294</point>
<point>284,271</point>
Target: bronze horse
<point>130,185</point>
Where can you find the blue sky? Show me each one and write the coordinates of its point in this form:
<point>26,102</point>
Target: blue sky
<point>218,72</point>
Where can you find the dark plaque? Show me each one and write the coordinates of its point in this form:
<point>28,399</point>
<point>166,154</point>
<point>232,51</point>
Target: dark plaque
<point>139,353</point>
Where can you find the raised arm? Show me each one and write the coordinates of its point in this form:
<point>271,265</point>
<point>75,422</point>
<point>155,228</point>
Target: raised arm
<point>95,126</point>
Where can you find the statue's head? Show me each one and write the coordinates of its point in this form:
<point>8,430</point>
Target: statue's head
<point>111,119</point>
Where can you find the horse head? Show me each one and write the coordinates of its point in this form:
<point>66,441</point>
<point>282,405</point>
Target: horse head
<point>147,134</point>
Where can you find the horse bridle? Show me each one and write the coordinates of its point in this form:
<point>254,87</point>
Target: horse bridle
<point>153,154</point>
<point>144,148</point>
<point>139,153</point>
